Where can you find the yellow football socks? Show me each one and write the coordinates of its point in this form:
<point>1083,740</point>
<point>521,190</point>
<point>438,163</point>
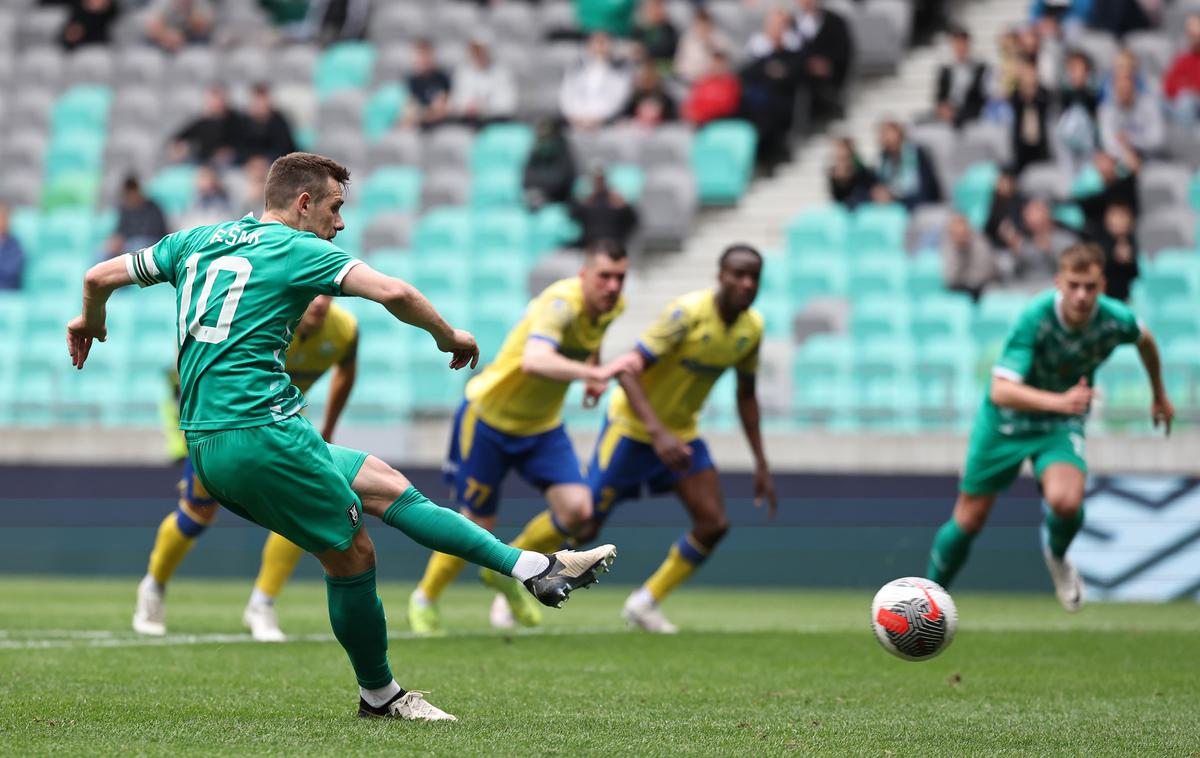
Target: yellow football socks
<point>442,570</point>
<point>279,558</point>
<point>542,534</point>
<point>176,535</point>
<point>685,555</point>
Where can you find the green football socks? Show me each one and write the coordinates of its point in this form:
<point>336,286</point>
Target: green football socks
<point>448,532</point>
<point>1060,531</point>
<point>356,614</point>
<point>949,553</point>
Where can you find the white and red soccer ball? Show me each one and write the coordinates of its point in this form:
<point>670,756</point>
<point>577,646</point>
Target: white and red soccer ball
<point>913,618</point>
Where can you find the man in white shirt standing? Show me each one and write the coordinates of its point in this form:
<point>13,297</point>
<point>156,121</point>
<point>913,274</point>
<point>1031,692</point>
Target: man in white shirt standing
<point>482,90</point>
<point>594,90</point>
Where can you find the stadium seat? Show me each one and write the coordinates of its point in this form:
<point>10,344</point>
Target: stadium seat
<point>995,316</point>
<point>1153,49</point>
<point>341,112</point>
<point>818,230</point>
<point>501,145</point>
<point>973,191</point>
<point>884,385</point>
<point>447,147</point>
<point>350,239</point>
<point>982,142</point>
<point>382,109</point>
<point>945,392</point>
<point>91,64</point>
<point>723,161</point>
<point>345,65</point>
<point>881,318</point>
<point>813,277</point>
<point>553,228</point>
<point>627,179</point>
<point>173,188</point>
<point>387,230</point>
<point>668,145</point>
<point>872,276</point>
<point>78,151</point>
<point>1174,320</point>
<point>67,234</point>
<point>821,390</point>
<point>940,316</point>
<point>399,21</point>
<point>1163,185</point>
<point>82,107</point>
<point>391,188</point>
<point>26,225</point>
<point>389,260</point>
<point>924,275</point>
<point>667,207</point>
<point>402,146</point>
<point>40,68</point>
<point>496,187</point>
<point>444,228</point>
<point>515,22</point>
<point>503,233</point>
<point>877,228</point>
<point>70,190</point>
<point>195,64</point>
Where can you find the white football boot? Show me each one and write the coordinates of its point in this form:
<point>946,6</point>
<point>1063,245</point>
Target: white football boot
<point>150,616</point>
<point>501,615</point>
<point>1067,584</point>
<point>410,706</point>
<point>260,619</point>
<point>641,611</point>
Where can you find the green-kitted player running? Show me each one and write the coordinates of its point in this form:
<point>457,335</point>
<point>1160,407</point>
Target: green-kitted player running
<point>1040,393</point>
<point>241,288</point>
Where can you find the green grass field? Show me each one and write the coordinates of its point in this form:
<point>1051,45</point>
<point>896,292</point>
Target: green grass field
<point>754,673</point>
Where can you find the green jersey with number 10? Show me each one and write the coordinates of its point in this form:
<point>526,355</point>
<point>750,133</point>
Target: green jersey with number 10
<point>240,290</point>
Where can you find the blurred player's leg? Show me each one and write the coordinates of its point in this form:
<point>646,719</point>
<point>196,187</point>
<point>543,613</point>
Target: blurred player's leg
<point>279,559</point>
<point>442,569</point>
<point>952,544</point>
<point>1062,489</point>
<point>701,495</point>
<point>176,535</point>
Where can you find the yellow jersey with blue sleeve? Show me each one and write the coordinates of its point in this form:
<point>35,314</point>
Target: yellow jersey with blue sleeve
<point>308,358</point>
<point>688,348</point>
<point>514,402</point>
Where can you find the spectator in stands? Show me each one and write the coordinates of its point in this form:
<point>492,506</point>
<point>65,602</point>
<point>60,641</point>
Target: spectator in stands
<point>1120,187</point>
<point>905,173</point>
<point>1034,247</point>
<point>850,181</point>
<point>171,24</point>
<point>140,222</point>
<point>1124,64</point>
<point>1012,61</point>
<point>612,17</point>
<point>1042,44</point>
<point>265,130</point>
<point>483,90</point>
<point>1181,83</point>
<point>1030,105</point>
<point>1075,131</point>
<point>1119,17</point>
<point>329,21</point>
<point>210,204</point>
<point>649,104</point>
<point>550,170</point>
<point>967,262</point>
<point>215,136</point>
<point>961,83</point>
<point>429,87</point>
<point>12,255</point>
<point>701,40</point>
<point>89,22</point>
<point>1120,251</point>
<point>656,33</point>
<point>254,184</point>
<point>1131,121</point>
<point>714,95</point>
<point>603,213</point>
<point>1004,211</point>
<point>769,84</point>
<point>826,51</point>
<point>596,88</point>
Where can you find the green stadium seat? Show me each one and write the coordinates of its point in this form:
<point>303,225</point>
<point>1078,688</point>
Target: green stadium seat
<point>54,278</point>
<point>1194,192</point>
<point>873,276</point>
<point>306,137</point>
<point>504,232</point>
<point>1181,374</point>
<point>1088,181</point>
<point>881,318</point>
<point>390,261</point>
<point>350,238</point>
<point>1126,393</point>
<point>436,390</point>
<point>884,385</point>
<point>944,373</point>
<point>173,188</point>
<point>38,394</point>
<point>75,152</point>
<point>71,190</point>
<point>1175,320</point>
<point>345,65</point>
<point>925,275</point>
<point>996,314</point>
<point>391,188</point>
<point>810,277</point>
<point>492,318</point>
<point>442,275</point>
<point>553,228</point>
<point>26,225</point>
<point>380,398</point>
<point>85,106</point>
<point>877,227</point>
<point>1184,264</point>
<point>446,227</point>
<point>818,230</point>
<point>942,315</point>
<point>496,187</point>
<point>723,161</point>
<point>499,275</point>
<point>104,224</point>
<point>68,233</point>
<point>501,146</point>
<point>626,178</point>
<point>821,388</point>
<point>383,109</point>
<point>972,193</point>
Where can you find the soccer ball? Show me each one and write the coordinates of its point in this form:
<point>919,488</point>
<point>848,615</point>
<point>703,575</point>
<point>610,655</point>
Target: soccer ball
<point>913,618</point>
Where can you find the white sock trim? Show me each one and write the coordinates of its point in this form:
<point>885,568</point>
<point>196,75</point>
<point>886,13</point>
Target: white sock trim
<point>642,596</point>
<point>529,565</point>
<point>378,698</point>
<point>258,597</point>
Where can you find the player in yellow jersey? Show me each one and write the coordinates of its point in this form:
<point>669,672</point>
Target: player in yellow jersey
<point>326,337</point>
<point>512,419</point>
<point>650,439</point>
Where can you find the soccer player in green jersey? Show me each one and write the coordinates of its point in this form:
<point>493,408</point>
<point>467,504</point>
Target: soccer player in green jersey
<point>241,289</point>
<point>1040,394</point>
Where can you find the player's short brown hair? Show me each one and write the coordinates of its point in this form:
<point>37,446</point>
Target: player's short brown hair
<point>609,248</point>
<point>297,173</point>
<point>1080,257</point>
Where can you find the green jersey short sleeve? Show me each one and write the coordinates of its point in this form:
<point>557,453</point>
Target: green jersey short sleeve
<point>241,288</point>
<point>1042,352</point>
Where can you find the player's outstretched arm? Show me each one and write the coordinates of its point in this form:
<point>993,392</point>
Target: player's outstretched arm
<point>99,283</point>
<point>340,385</point>
<point>1021,397</point>
<point>751,416</point>
<point>1161,409</point>
<point>407,304</point>
<point>541,358</point>
<point>668,447</point>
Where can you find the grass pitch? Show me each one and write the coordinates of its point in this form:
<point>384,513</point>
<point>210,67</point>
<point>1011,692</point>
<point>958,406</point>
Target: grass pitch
<point>754,673</point>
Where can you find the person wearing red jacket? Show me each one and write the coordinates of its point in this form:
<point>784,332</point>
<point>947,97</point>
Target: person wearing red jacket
<point>715,95</point>
<point>1181,83</point>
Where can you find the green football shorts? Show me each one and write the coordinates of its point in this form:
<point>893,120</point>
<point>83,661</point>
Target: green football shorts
<point>284,477</point>
<point>994,459</point>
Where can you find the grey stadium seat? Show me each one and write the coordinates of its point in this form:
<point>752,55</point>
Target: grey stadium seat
<point>24,150</point>
<point>447,146</point>
<point>1101,47</point>
<point>667,208</point>
<point>1183,144</point>
<point>668,145</point>
<point>877,42</point>
<point>514,22</point>
<point>140,65</point>
<point>139,105</point>
<point>1044,180</point>
<point>450,54</point>
<point>248,64</point>
<point>89,65</point>
<point>982,141</point>
<point>455,21</point>
<point>387,230</point>
<point>298,101</point>
<point>1154,50</point>
<point>1163,185</point>
<point>1163,229</point>
<point>21,187</point>
<point>619,144</point>
<point>195,64</point>
<point>585,146</point>
<point>40,26</point>
<point>132,151</point>
<point>341,111</point>
<point>346,147</point>
<point>393,62</point>
<point>30,109</point>
<point>294,64</point>
<point>183,103</point>
<point>398,20</point>
<point>399,146</point>
<point>681,13</point>
<point>445,186</point>
<point>556,15</point>
<point>40,68</point>
<point>898,13</point>
<point>736,20</point>
<point>940,141</point>
<point>926,224</point>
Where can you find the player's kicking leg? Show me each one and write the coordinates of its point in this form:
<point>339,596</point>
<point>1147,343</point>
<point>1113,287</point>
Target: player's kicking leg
<point>701,496</point>
<point>176,535</point>
<point>1062,492</point>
